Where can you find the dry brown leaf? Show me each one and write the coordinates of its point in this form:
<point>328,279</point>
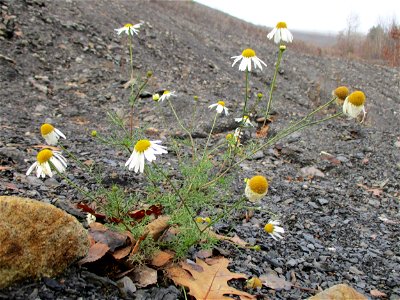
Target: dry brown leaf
<point>262,132</point>
<point>5,168</point>
<point>11,186</point>
<point>161,258</point>
<point>96,252</point>
<point>157,227</point>
<point>207,281</point>
<point>378,294</point>
<point>106,236</point>
<point>331,159</point>
<point>205,253</point>
<point>80,120</point>
<point>375,191</point>
<point>144,276</point>
<point>123,252</point>
<point>339,292</point>
<point>235,239</point>
<point>47,147</point>
<point>273,281</point>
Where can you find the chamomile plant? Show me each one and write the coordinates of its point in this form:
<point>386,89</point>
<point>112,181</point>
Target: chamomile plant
<point>192,181</point>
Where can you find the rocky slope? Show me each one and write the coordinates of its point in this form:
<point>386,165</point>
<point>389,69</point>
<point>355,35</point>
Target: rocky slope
<point>62,62</point>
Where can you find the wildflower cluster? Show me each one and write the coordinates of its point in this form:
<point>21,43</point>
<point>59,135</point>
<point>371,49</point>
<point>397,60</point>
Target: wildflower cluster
<point>190,191</point>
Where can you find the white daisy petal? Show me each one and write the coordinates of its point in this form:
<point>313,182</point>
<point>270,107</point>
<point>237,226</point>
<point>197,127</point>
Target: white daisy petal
<point>141,162</point>
<point>31,168</point>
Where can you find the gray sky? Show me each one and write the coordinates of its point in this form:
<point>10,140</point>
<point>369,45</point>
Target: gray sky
<point>310,15</point>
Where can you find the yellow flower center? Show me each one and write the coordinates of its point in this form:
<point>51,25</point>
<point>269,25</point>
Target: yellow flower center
<point>248,53</point>
<point>156,97</point>
<point>229,136</point>
<point>45,129</point>
<point>357,98</point>
<point>222,103</point>
<point>281,25</point>
<point>269,228</point>
<point>341,92</point>
<point>142,145</point>
<point>166,92</point>
<point>128,25</point>
<point>44,156</point>
<point>245,118</point>
<point>258,184</point>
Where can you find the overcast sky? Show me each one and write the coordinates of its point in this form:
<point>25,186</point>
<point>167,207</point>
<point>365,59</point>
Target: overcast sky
<point>310,15</point>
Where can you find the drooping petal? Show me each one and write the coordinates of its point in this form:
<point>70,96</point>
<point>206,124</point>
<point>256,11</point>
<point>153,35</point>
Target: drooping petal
<point>31,168</point>
<point>59,133</point>
<point>272,33</point>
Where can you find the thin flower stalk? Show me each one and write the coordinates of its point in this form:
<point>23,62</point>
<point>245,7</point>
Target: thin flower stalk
<point>236,205</point>
<point>246,94</point>
<point>209,136</point>
<point>271,90</point>
<point>177,193</point>
<point>74,185</point>
<point>284,133</point>
<point>77,160</point>
<point>184,129</point>
<point>307,117</point>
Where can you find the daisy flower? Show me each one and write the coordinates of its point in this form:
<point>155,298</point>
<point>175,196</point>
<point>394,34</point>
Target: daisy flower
<point>248,56</point>
<point>51,134</point>
<point>220,107</point>
<point>129,29</point>
<point>245,120</point>
<point>144,149</point>
<point>46,159</point>
<point>354,105</point>
<point>280,34</point>
<point>341,94</point>
<point>274,230</point>
<point>256,188</point>
<point>166,95</point>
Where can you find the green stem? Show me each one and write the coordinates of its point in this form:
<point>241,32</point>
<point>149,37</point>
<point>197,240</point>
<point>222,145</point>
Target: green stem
<point>246,94</point>
<point>177,193</point>
<point>271,90</point>
<point>307,117</point>
<point>209,136</point>
<point>183,128</point>
<point>225,213</point>
<point>193,118</point>
<point>271,141</point>
<point>77,160</point>
<point>132,85</point>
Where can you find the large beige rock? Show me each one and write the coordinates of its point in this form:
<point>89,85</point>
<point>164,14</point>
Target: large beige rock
<point>37,239</point>
<point>339,292</point>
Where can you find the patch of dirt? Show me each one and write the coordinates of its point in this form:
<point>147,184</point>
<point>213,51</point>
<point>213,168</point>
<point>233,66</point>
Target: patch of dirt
<point>62,62</point>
